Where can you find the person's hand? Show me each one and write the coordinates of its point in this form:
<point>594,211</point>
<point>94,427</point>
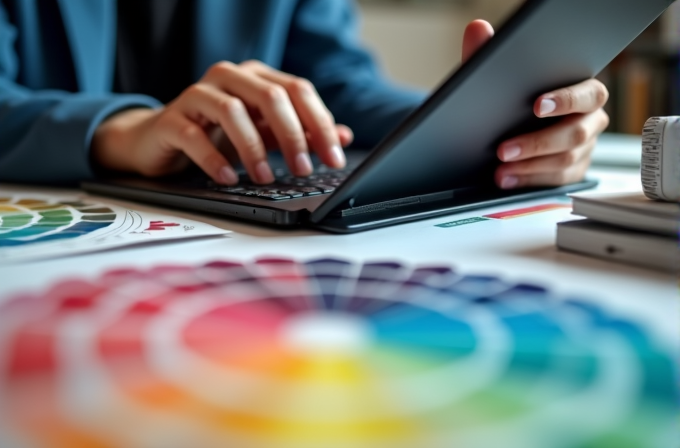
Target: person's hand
<point>254,106</point>
<point>559,154</point>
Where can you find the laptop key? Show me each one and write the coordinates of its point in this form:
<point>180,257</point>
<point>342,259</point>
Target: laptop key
<point>272,195</point>
<point>325,188</point>
<point>230,190</point>
<point>287,186</point>
<point>292,193</point>
<point>309,191</point>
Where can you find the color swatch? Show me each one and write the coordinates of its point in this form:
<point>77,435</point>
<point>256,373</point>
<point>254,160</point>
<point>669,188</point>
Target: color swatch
<point>326,353</point>
<point>29,221</point>
<point>41,226</point>
<point>526,211</point>
<point>511,214</point>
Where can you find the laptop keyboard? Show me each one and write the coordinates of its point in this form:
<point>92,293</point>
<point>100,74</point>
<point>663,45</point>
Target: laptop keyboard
<point>324,180</point>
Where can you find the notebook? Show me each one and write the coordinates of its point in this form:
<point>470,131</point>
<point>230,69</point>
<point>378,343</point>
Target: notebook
<point>619,244</point>
<point>632,210</point>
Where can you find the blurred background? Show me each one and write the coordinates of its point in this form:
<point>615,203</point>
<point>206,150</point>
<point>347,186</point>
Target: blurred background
<point>419,42</point>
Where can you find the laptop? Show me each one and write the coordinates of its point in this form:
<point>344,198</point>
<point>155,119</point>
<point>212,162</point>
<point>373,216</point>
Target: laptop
<point>441,159</point>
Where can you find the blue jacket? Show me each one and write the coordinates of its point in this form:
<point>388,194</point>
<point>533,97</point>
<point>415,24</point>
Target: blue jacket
<point>47,118</point>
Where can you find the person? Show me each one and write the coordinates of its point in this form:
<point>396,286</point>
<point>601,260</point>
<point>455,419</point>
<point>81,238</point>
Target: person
<point>149,86</point>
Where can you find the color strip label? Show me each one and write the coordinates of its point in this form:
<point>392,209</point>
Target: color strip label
<point>527,211</point>
<point>462,222</point>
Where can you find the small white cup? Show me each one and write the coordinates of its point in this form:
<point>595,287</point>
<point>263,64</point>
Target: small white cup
<point>660,169</point>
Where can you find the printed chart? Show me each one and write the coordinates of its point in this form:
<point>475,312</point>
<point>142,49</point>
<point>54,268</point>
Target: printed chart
<point>325,353</point>
<point>30,221</point>
<point>36,227</point>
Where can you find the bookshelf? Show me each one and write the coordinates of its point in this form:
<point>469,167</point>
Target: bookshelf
<point>644,80</point>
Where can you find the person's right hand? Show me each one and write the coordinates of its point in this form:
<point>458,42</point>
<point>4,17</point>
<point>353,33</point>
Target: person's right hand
<point>256,108</point>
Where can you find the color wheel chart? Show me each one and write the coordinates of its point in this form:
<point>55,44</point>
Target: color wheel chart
<point>325,353</point>
<point>30,221</point>
<point>36,227</point>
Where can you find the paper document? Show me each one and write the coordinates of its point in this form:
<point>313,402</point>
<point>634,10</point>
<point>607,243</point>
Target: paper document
<point>34,226</point>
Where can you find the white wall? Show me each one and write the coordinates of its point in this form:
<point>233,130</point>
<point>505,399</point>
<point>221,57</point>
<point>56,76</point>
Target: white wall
<point>420,44</point>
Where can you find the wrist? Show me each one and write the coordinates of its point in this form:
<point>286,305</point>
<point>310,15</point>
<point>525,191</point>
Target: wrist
<point>114,142</point>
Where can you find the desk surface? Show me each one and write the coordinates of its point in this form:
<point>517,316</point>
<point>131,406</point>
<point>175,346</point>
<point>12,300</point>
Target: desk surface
<point>519,250</point>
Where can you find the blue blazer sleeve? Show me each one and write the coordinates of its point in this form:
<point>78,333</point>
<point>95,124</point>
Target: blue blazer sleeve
<point>323,47</point>
<point>45,134</point>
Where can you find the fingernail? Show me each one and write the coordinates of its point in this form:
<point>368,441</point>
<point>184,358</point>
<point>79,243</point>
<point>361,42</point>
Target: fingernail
<point>511,152</point>
<point>228,175</point>
<point>338,156</point>
<point>509,182</point>
<point>548,106</point>
<point>303,164</point>
<point>264,173</point>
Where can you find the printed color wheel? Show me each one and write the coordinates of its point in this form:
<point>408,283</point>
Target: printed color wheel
<point>326,353</point>
<point>28,221</point>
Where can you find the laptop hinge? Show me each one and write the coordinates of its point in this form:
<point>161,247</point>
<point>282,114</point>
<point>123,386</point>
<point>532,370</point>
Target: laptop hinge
<point>402,202</point>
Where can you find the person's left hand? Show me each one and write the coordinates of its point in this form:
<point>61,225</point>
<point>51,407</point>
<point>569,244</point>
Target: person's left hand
<point>556,155</point>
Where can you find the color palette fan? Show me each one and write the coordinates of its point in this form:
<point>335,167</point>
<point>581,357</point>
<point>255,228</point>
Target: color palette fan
<point>325,353</point>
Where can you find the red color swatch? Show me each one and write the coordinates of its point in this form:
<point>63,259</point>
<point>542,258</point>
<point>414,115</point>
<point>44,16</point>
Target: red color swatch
<point>160,225</point>
<point>527,211</point>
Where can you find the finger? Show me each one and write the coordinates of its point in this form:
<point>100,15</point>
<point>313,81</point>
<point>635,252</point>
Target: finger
<point>181,133</point>
<point>556,169</point>
<point>569,176</point>
<point>585,97</point>
<point>315,117</point>
<point>232,116</point>
<point>273,102</point>
<point>550,163</point>
<point>270,139</point>
<point>345,135</point>
<point>477,33</point>
<point>573,131</point>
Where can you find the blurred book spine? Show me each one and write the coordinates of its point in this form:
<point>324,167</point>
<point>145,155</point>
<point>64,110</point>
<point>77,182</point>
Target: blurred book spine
<point>644,80</point>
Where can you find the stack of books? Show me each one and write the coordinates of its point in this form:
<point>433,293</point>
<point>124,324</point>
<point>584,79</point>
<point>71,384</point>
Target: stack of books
<point>625,227</point>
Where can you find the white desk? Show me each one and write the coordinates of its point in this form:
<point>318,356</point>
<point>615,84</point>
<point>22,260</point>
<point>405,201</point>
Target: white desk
<point>516,249</point>
<point>519,248</point>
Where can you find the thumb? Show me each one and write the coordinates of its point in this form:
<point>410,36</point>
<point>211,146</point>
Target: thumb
<point>477,33</point>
